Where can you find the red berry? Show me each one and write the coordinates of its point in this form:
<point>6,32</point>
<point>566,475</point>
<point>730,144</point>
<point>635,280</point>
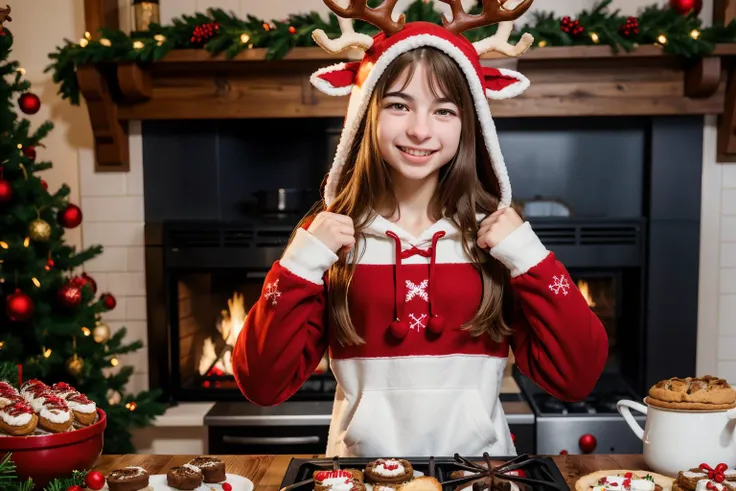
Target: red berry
<point>227,487</point>
<point>95,480</point>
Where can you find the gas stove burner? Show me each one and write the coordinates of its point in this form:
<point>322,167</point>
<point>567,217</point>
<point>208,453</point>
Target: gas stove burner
<point>592,405</point>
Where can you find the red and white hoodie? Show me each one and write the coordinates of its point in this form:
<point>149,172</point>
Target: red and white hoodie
<point>424,393</point>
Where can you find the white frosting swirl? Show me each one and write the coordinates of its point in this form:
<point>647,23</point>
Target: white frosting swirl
<point>381,469</point>
<point>82,408</point>
<point>36,403</point>
<point>690,474</point>
<point>338,483</point>
<point>19,420</point>
<point>193,468</point>
<point>55,415</point>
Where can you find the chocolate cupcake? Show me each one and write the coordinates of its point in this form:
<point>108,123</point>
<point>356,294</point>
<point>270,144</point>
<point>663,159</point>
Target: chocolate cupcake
<point>127,479</point>
<point>186,476</point>
<point>213,469</point>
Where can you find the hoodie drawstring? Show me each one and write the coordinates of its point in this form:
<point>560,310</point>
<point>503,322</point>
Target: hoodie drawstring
<point>400,326</point>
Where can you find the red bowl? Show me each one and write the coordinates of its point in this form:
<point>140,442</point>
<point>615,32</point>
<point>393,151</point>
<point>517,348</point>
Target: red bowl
<point>47,457</point>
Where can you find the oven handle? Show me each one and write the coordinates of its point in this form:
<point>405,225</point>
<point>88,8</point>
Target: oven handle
<point>273,440</point>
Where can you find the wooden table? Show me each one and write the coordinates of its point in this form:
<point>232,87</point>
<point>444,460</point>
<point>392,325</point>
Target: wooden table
<point>267,471</point>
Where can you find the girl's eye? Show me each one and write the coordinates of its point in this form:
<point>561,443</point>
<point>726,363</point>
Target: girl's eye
<point>397,106</point>
<point>445,112</point>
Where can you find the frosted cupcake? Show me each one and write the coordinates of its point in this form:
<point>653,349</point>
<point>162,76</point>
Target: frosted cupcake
<point>85,410</point>
<point>55,416</point>
<point>18,418</point>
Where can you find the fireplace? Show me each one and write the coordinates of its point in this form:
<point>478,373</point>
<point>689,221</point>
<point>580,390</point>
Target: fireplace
<point>616,199</point>
<point>214,273</point>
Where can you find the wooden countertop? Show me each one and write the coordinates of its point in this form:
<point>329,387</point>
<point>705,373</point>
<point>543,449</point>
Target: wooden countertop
<point>267,471</point>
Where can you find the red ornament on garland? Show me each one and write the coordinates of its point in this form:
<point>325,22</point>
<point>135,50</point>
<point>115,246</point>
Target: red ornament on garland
<point>6,190</point>
<point>686,7</point>
<point>95,480</point>
<point>70,295</point>
<point>19,306</point>
<point>71,216</point>
<point>30,152</point>
<point>204,33</point>
<point>630,27</point>
<point>570,26</point>
<point>29,103</point>
<point>75,488</point>
<point>108,301</point>
<point>44,184</point>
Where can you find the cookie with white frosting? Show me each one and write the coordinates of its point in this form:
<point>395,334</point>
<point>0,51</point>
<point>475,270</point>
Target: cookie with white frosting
<point>339,480</point>
<point>54,415</point>
<point>389,471</point>
<point>18,418</point>
<point>85,410</point>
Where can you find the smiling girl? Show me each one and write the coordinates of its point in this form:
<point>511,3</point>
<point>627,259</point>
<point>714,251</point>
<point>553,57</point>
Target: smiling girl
<point>415,272</point>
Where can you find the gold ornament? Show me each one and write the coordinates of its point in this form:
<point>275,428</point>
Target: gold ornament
<point>75,365</point>
<point>146,12</point>
<point>101,332</point>
<point>40,230</point>
<point>114,397</point>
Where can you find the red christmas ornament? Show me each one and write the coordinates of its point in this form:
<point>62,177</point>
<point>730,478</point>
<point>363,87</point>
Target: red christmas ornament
<point>292,30</point>
<point>95,480</point>
<point>87,280</point>
<point>44,184</point>
<point>75,488</point>
<point>587,443</point>
<point>49,264</point>
<point>227,487</point>
<point>686,7</point>
<point>630,27</point>
<point>19,306</point>
<point>71,216</point>
<point>70,295</point>
<point>6,191</point>
<point>30,152</point>
<point>108,301</point>
<point>29,103</point>
<point>204,33</point>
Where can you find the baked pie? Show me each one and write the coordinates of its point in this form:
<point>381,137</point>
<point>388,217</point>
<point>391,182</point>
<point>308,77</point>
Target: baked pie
<point>698,393</point>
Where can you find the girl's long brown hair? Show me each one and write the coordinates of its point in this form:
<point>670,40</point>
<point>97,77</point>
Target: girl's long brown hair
<point>365,182</point>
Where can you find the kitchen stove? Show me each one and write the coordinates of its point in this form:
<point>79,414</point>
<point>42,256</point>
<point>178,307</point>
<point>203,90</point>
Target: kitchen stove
<point>590,426</point>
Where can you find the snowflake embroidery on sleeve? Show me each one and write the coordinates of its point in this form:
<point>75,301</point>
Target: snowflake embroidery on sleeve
<point>419,290</point>
<point>559,284</point>
<point>272,292</point>
<point>417,322</point>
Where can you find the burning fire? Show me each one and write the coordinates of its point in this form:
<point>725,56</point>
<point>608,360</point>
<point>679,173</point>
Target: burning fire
<point>583,287</point>
<point>229,327</point>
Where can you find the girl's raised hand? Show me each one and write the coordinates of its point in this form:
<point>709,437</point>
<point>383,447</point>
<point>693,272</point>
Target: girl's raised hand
<point>496,226</point>
<point>333,230</point>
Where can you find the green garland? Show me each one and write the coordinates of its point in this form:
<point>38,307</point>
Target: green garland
<point>225,33</point>
<point>9,480</point>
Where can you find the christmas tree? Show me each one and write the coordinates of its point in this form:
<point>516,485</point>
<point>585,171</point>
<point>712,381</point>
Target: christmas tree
<point>50,311</point>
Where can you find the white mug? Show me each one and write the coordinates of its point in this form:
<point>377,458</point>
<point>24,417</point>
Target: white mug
<point>678,440</point>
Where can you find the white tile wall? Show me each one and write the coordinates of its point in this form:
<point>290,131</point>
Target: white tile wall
<point>727,280</point>
<point>112,204</point>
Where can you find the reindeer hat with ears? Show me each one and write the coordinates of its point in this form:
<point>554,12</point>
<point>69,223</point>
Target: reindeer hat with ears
<point>359,78</point>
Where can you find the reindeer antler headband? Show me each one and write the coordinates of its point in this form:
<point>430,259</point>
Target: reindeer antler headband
<point>358,79</point>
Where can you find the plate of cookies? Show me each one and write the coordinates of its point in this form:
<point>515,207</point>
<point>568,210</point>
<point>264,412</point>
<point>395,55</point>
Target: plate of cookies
<point>199,474</point>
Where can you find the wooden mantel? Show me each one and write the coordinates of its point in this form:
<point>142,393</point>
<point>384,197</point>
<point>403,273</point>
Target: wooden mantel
<point>567,81</point>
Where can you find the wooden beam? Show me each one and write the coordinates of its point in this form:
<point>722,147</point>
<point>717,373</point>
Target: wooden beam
<point>100,13</point>
<point>110,133</point>
<point>724,11</point>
